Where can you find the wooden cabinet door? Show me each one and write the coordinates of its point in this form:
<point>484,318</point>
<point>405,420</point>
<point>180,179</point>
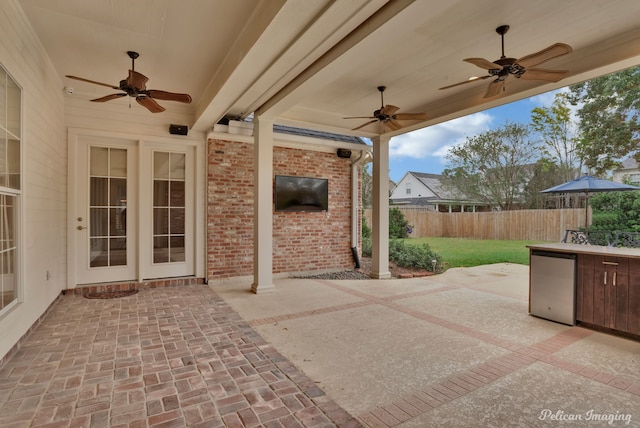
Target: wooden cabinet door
<point>633,318</point>
<point>585,288</point>
<point>620,294</point>
<point>612,285</point>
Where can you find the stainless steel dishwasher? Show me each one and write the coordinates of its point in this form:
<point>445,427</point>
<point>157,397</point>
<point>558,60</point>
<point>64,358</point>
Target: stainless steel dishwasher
<point>552,290</point>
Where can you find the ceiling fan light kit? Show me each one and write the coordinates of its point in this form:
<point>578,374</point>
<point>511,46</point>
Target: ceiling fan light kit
<point>135,86</point>
<point>387,115</point>
<point>523,68</point>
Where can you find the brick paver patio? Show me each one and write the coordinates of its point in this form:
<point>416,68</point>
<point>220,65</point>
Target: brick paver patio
<point>165,357</point>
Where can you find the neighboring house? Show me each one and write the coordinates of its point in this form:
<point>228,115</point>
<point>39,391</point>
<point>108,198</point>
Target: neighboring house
<point>419,189</point>
<point>628,172</point>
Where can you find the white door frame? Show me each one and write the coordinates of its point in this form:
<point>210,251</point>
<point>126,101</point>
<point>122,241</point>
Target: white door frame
<point>198,201</point>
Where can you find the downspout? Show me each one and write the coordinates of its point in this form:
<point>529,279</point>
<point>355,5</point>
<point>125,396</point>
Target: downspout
<point>355,203</point>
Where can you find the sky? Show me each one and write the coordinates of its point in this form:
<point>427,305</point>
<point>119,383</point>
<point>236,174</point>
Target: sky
<point>424,150</point>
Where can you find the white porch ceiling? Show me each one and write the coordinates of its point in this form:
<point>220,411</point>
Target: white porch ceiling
<point>309,63</point>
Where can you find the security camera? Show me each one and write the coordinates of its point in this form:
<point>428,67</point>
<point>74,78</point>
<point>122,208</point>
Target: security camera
<point>68,90</point>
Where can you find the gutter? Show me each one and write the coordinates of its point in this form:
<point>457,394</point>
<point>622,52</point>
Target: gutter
<point>365,156</point>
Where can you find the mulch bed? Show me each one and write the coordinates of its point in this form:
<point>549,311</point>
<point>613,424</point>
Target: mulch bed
<point>365,269</point>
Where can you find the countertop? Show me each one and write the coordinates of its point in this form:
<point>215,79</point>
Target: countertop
<point>561,247</point>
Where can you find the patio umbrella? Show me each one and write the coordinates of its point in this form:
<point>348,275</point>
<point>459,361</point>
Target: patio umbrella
<point>589,184</point>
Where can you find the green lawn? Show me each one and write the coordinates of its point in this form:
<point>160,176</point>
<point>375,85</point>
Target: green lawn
<point>460,252</point>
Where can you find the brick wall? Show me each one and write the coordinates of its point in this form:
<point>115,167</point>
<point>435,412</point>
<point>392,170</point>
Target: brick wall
<point>302,241</point>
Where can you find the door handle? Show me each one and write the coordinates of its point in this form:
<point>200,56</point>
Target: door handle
<point>614,278</point>
<point>81,227</point>
<point>605,277</point>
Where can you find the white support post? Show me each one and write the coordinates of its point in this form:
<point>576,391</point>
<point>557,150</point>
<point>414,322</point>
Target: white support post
<point>380,211</point>
<point>262,205</point>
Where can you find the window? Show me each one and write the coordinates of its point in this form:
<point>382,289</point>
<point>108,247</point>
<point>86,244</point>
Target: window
<point>634,179</point>
<point>10,166</point>
<point>408,188</point>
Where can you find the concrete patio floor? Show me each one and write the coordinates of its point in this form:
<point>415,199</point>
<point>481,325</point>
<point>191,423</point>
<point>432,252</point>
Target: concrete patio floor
<point>450,350</point>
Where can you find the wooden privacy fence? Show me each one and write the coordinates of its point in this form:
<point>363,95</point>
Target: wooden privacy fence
<point>537,225</point>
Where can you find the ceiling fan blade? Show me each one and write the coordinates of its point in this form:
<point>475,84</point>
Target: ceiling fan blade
<point>137,80</point>
<point>542,74</point>
<point>359,117</point>
<point>109,97</point>
<point>169,96</point>
<point>392,125</point>
<point>389,110</point>
<point>472,79</point>
<point>553,51</point>
<point>410,116</point>
<point>494,88</point>
<point>365,124</point>
<point>92,81</point>
<point>483,63</point>
<point>150,104</point>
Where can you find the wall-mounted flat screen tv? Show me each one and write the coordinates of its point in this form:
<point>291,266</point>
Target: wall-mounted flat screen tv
<point>301,193</point>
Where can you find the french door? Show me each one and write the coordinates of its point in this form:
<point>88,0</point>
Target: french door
<point>134,210</point>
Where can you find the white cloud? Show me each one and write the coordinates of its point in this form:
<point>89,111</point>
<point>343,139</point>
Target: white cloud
<point>435,141</point>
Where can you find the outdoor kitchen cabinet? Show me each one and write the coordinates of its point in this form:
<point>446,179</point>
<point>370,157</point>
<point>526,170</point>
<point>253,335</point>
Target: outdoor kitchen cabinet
<point>607,286</point>
<point>602,292</point>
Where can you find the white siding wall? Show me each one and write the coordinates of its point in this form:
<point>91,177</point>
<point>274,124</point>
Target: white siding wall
<point>43,173</point>
<point>418,190</point>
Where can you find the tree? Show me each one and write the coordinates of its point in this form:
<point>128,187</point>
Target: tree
<point>557,134</point>
<point>492,167</point>
<point>398,225</point>
<point>544,174</point>
<point>609,121</point>
<point>367,186</point>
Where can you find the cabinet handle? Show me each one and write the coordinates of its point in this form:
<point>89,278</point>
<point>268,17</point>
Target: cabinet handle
<point>605,277</point>
<point>610,263</point>
<point>614,278</point>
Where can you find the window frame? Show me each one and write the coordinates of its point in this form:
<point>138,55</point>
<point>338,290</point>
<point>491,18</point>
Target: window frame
<point>14,192</point>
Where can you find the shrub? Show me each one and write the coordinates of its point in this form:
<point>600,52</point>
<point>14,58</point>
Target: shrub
<point>366,246</point>
<point>398,225</point>
<point>366,230</point>
<point>413,256</point>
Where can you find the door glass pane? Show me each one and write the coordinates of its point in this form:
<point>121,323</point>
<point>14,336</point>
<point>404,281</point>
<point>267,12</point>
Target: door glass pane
<point>118,163</point>
<point>160,249</point>
<point>99,196</point>
<point>99,252</point>
<point>160,193</point>
<point>99,161</point>
<point>160,165</point>
<point>98,221</point>
<point>108,207</point>
<point>160,221</point>
<point>177,248</point>
<point>176,225</point>
<point>169,207</point>
<point>117,252</point>
<point>177,193</point>
<point>177,166</point>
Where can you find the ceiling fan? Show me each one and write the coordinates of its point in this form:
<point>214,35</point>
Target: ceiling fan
<point>522,68</point>
<point>134,86</point>
<point>387,115</point>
